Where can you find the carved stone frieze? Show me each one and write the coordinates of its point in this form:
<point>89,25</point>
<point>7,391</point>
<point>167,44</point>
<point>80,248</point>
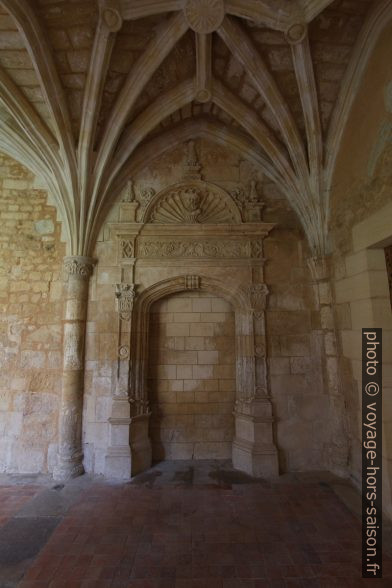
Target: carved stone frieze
<point>125,296</point>
<point>201,248</point>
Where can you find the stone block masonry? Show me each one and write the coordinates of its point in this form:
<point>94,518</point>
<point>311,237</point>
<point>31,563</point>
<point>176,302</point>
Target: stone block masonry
<point>192,377</point>
<point>31,253</point>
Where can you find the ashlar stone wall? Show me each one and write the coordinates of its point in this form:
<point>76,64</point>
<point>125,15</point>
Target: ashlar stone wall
<point>31,254</point>
<point>192,377</point>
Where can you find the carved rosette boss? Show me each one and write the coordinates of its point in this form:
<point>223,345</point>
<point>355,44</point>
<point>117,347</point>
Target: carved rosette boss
<point>204,16</point>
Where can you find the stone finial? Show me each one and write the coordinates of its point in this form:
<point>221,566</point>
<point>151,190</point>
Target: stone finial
<point>192,165</point>
<point>129,192</point>
<point>78,265</point>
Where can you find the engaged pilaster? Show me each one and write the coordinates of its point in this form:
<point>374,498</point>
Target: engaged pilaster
<point>77,270</point>
<point>338,449</point>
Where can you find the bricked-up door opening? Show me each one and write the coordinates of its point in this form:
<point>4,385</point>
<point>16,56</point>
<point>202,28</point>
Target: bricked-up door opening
<point>191,377</point>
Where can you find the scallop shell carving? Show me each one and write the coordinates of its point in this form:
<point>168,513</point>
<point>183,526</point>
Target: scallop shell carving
<point>191,205</point>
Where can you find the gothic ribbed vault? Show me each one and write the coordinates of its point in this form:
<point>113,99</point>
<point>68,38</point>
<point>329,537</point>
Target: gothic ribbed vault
<point>90,89</point>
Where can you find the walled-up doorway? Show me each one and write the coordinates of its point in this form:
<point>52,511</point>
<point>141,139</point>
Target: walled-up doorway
<point>191,377</point>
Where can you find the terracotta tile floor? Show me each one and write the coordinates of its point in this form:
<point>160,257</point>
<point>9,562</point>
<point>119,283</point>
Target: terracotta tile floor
<point>11,501</point>
<point>185,525</point>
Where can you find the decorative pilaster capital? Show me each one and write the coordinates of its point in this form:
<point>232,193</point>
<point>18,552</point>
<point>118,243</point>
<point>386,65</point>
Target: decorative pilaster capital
<point>79,266</point>
<point>125,296</point>
<point>258,298</point>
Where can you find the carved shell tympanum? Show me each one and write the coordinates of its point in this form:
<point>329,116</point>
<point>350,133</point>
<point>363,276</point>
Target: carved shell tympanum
<point>190,205</point>
<point>204,16</point>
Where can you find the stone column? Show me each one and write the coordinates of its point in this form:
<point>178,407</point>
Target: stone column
<point>337,449</point>
<point>77,270</point>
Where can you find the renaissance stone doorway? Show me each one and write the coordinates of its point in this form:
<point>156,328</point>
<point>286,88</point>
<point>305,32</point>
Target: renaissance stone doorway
<point>191,377</point>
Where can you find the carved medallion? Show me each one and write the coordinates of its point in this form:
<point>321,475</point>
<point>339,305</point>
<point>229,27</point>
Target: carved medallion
<point>204,16</point>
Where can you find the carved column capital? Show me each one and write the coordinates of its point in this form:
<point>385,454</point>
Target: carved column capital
<point>79,266</point>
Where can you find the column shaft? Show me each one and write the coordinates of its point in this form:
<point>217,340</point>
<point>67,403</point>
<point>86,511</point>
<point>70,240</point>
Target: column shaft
<point>70,455</point>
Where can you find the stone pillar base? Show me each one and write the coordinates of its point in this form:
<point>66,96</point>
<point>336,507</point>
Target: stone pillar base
<point>255,460</point>
<point>141,450</point>
<point>67,469</point>
<point>118,463</point>
<point>118,456</point>
<point>254,451</point>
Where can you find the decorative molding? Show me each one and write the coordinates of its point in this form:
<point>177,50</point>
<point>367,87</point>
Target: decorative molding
<point>79,266</point>
<point>192,282</point>
<point>204,16</point>
<point>125,296</point>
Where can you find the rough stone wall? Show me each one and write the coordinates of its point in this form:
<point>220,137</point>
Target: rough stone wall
<point>30,322</point>
<point>192,377</point>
